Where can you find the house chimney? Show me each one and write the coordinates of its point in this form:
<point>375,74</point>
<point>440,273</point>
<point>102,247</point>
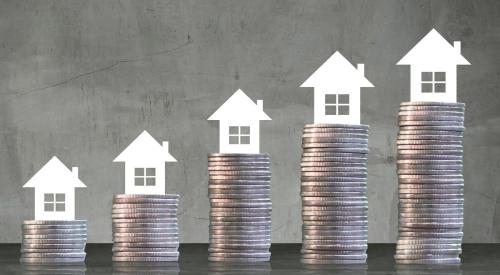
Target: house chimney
<point>458,46</point>
<point>260,104</point>
<point>74,170</point>
<point>361,69</point>
<point>165,145</point>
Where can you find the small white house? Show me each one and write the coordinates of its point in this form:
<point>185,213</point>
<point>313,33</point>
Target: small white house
<point>433,67</point>
<point>55,187</point>
<point>144,160</point>
<point>337,86</point>
<point>239,118</point>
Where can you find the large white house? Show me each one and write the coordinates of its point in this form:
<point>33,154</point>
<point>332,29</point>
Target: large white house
<point>433,67</point>
<point>337,85</point>
<point>144,160</point>
<point>239,124</point>
<point>55,187</point>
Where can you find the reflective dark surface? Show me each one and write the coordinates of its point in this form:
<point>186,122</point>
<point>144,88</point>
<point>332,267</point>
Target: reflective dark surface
<point>476,259</point>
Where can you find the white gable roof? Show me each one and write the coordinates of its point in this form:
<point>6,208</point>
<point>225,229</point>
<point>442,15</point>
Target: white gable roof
<point>433,49</point>
<point>337,71</point>
<point>239,106</point>
<point>145,148</point>
<point>54,172</point>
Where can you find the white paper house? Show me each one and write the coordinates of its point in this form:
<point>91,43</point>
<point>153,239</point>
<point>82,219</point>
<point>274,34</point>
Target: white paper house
<point>239,124</point>
<point>337,85</point>
<point>433,67</point>
<point>55,187</point>
<point>144,160</point>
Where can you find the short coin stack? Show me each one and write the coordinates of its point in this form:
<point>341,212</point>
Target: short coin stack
<point>333,191</point>
<point>240,214</point>
<point>53,242</point>
<point>145,228</point>
<point>429,167</point>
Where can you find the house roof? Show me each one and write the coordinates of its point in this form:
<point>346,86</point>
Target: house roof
<point>54,172</point>
<point>433,49</point>
<point>239,106</point>
<point>337,71</point>
<point>145,148</point>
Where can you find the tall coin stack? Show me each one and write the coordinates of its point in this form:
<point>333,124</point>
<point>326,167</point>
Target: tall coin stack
<point>53,242</point>
<point>145,228</point>
<point>240,214</point>
<point>333,191</point>
<point>430,183</point>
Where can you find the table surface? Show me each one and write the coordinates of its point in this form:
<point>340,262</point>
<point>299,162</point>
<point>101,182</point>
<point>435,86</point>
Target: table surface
<point>476,259</point>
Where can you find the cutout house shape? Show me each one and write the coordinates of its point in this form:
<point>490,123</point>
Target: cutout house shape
<point>433,67</point>
<point>239,124</point>
<point>145,165</point>
<point>337,85</point>
<point>55,187</point>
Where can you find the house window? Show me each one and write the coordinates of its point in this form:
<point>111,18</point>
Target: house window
<point>433,82</point>
<point>145,177</point>
<point>337,104</point>
<point>54,202</point>
<point>239,134</point>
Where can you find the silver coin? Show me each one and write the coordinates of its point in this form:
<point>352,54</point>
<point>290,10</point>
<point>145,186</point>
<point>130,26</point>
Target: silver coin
<point>337,214</point>
<point>139,200</point>
<point>336,126</point>
<point>26,260</point>
<point>332,156</point>
<point>332,194</point>
<point>455,177</point>
<point>318,186</point>
<point>149,215</point>
<point>241,254</point>
<point>164,225</point>
<point>432,225</point>
<point>332,164</point>
<point>55,236</point>
<point>236,192</point>
<point>428,251</point>
<point>334,135</point>
<point>331,261</point>
<point>230,155</point>
<point>52,246</point>
<point>420,167</point>
<point>144,249</point>
<point>444,196</point>
<point>240,204</point>
<point>239,177</point>
<point>53,255</point>
<point>336,146</point>
<point>350,247</point>
<point>334,140</point>
<point>240,218</point>
<point>426,103</point>
<point>155,244</point>
<point>144,239</point>
<point>246,168</point>
<point>445,215</point>
<point>240,245</point>
<point>333,180</point>
<point>238,183</point>
<point>335,223</point>
<point>412,234</point>
<point>431,113</point>
<point>338,189</point>
<point>317,233</point>
<point>238,196</point>
<point>333,174</point>
<point>456,189</point>
<point>233,240</point>
<point>430,118</point>
<point>427,241</point>
<point>334,218</point>
<point>337,241</point>
<point>333,169</point>
<point>224,187</point>
<point>150,206</point>
<point>145,259</point>
<point>339,237</point>
<point>430,220</point>
<point>53,222</point>
<point>333,228</point>
<point>335,208</point>
<point>355,200</point>
<point>432,200</point>
<point>246,223</point>
<point>78,241</point>
<point>156,196</point>
<point>237,260</point>
<point>144,220</point>
<point>145,234</point>
<point>239,228</point>
<point>234,233</point>
<point>326,148</point>
<point>145,254</point>
<point>56,231</point>
<point>238,211</point>
<point>144,230</point>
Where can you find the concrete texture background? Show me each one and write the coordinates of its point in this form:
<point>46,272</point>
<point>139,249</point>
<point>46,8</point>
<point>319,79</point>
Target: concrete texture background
<point>81,79</point>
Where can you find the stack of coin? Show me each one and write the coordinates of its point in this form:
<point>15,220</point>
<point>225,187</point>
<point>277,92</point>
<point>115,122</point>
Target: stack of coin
<point>53,242</point>
<point>240,213</point>
<point>333,191</point>
<point>145,228</point>
<point>429,167</point>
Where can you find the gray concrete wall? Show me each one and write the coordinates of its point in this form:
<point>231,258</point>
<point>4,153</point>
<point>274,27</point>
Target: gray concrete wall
<point>81,79</point>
